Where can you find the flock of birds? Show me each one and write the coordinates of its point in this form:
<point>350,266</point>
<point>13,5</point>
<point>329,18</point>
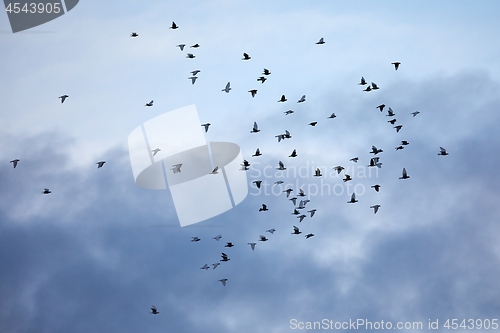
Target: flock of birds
<point>374,161</point>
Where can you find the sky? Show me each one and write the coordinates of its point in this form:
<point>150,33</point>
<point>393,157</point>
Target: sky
<point>99,251</point>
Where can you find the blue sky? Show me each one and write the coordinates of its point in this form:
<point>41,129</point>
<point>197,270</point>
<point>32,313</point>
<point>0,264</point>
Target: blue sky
<point>96,253</point>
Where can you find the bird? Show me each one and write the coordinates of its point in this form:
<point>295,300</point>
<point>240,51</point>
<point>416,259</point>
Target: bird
<point>339,168</point>
<point>176,168</point>
<point>223,281</point>
<point>362,82</point>
<point>375,162</point>
<point>347,178</point>
<point>154,310</point>
<point>309,236</point>
<point>396,65</point>
<point>288,112</point>
<point>354,159</point>
<point>399,147</point>
<point>301,217</point>
<point>257,182</point>
<point>392,121</point>
<point>288,191</point>
<point>415,113</point>
<point>262,79</point>
<point>252,245</point>
<point>278,182</point>
<point>321,41</point>
<point>282,99</point>
<point>405,175</point>
<point>353,199</point>
<point>206,126</point>
<point>63,98</point>
<point>224,257</point>
<point>368,88</point>
<point>246,56</point>
<point>381,107</point>
<point>229,244</point>
<point>255,128</point>
<point>442,152</point>
<point>253,92</point>
<point>257,153</point>
<point>193,79</point>
<point>375,150</point>
<point>281,166</point>
<point>217,237</point>
<point>263,238</point>
<point>195,72</point>
<point>398,128</point>
<point>155,151</point>
<point>100,164</point>
<point>374,86</point>
<point>317,173</point>
<point>332,116</point>
<point>190,56</point>
<point>375,208</point>
<point>227,88</point>
<point>205,267</point>
<point>134,34</point>
<point>181,46</point>
<point>46,191</point>
<point>173,26</point>
<point>15,162</point>
<point>263,208</point>
<point>293,200</point>
<point>390,113</point>
<point>195,45</point>
<point>266,72</point>
<point>271,230</point>
<point>215,265</point>
<point>376,187</point>
<point>149,104</point>
<point>302,99</point>
<point>245,163</point>
<point>295,212</point>
<point>301,193</point>
<point>312,211</point>
<point>313,123</point>
<point>296,231</point>
<point>404,143</point>
<point>195,239</point>
<point>214,171</point>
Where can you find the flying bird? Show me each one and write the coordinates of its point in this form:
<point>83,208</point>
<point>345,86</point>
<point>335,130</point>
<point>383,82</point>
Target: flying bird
<point>415,113</point>
<point>355,159</point>
<point>301,193</point>
<point>181,46</point>
<point>263,238</point>
<point>293,200</point>
<point>155,151</point>
<point>63,98</point>
<point>257,153</point>
<point>312,211</point>
<point>288,112</point>
<point>396,65</point>
<point>442,152</point>
<point>288,191</point>
<point>381,107</point>
<point>214,171</point>
<point>295,212</point>
<point>266,72</point>
<point>376,187</point>
<point>262,79</point>
<point>390,113</point>
<point>332,116</point>
<point>173,26</point>
<point>362,82</point>
<point>205,267</point>
<point>302,99</point>
<point>229,244</point>
<point>149,104</point>
<point>253,92</point>
<point>309,236</point>
<point>296,231</point>
<point>399,147</point>
<point>190,56</point>
<point>195,239</point>
<point>353,199</point>
<point>195,45</point>
<point>392,121</point>
<point>404,143</point>
<point>375,150</point>
<point>206,126</point>
<point>321,41</point>
<point>193,79</point>
<point>223,282</point>
<point>347,178</point>
<point>46,191</point>
<point>215,265</point>
<point>368,88</point>
<point>224,257</point>
<point>134,34</point>
<point>255,128</point>
<point>176,168</point>
<point>263,208</point>
<point>281,166</point>
<point>217,237</point>
<point>195,72</point>
<point>339,168</point>
<point>154,310</point>
<point>257,182</point>
<point>15,162</point>
<point>271,230</point>
<point>374,86</point>
<point>375,162</point>
<point>375,208</point>
<point>301,217</point>
<point>278,182</point>
<point>246,56</point>
<point>405,175</point>
<point>252,245</point>
<point>317,173</point>
<point>313,123</point>
<point>398,128</point>
<point>282,99</point>
<point>100,164</point>
<point>227,88</point>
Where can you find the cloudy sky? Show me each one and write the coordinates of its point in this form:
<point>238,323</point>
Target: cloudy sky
<point>99,251</point>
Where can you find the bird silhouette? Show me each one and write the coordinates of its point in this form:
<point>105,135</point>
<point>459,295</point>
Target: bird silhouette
<point>442,151</point>
<point>353,199</point>
<point>173,26</point>
<point>321,41</point>
<point>63,98</point>
<point>100,164</point>
<point>396,65</point>
<point>134,34</point>
<point>14,162</point>
<point>227,88</point>
<point>405,175</point>
<point>246,56</point>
